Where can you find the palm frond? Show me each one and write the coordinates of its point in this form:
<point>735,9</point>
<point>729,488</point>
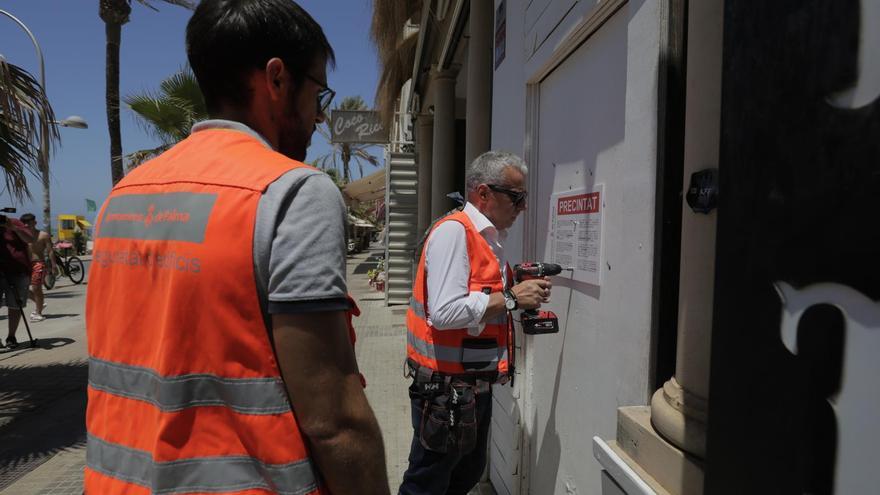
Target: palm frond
<point>324,130</point>
<point>396,70</point>
<point>352,103</point>
<point>157,116</point>
<point>183,86</point>
<point>389,19</point>
<point>362,153</point>
<point>169,114</point>
<point>180,3</point>
<point>138,158</point>
<point>23,106</point>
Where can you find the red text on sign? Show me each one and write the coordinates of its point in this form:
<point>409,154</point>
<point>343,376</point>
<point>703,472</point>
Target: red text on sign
<point>578,205</point>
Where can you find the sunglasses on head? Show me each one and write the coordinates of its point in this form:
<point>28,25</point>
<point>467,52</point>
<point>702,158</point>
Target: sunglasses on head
<point>517,197</point>
<point>325,96</point>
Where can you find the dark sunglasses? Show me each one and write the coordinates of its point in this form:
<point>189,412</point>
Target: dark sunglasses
<point>517,197</point>
<point>325,96</point>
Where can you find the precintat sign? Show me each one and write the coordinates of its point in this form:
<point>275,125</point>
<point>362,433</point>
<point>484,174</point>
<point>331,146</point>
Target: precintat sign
<point>357,127</point>
<point>582,203</point>
<point>576,224</point>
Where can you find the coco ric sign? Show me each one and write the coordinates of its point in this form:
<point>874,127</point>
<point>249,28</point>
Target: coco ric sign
<point>357,126</point>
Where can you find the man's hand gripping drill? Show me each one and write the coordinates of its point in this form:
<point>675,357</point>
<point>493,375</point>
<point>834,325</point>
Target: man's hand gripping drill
<point>533,282</point>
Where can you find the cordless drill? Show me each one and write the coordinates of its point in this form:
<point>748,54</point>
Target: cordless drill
<point>533,321</point>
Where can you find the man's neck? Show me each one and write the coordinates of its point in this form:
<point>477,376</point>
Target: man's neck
<point>247,118</point>
<point>481,212</point>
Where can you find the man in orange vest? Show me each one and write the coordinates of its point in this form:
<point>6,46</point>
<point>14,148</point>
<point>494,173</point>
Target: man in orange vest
<point>459,328</point>
<point>219,352</point>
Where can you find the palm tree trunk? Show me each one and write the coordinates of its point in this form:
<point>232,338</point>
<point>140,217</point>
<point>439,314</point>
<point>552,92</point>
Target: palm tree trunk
<point>44,175</point>
<point>114,39</point>
<point>346,158</point>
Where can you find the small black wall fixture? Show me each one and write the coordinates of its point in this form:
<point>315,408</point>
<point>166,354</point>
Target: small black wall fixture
<point>702,195</point>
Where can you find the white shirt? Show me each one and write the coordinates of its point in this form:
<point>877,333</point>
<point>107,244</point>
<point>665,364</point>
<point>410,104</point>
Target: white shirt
<point>451,303</point>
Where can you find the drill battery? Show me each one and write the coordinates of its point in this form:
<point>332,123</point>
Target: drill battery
<point>540,322</point>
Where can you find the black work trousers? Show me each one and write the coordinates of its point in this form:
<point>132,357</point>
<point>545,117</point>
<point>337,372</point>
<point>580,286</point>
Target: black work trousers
<point>453,472</point>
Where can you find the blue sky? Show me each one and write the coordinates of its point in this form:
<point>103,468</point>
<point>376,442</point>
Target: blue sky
<point>71,36</point>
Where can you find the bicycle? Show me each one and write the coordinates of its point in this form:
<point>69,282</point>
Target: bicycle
<point>67,266</point>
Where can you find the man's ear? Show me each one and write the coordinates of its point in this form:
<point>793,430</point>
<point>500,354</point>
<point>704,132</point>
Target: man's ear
<point>482,191</point>
<point>277,79</point>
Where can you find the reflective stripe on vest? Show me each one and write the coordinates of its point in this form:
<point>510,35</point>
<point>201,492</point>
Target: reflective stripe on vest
<point>450,354</point>
<point>174,393</point>
<point>419,309</point>
<point>210,474</point>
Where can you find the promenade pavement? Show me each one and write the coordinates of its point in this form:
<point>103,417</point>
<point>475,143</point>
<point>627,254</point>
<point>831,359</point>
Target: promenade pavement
<point>43,389</point>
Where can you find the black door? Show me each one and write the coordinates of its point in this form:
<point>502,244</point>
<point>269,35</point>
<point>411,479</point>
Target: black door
<point>800,204</point>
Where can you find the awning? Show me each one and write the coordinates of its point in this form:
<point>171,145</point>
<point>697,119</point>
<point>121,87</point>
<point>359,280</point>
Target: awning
<point>369,188</point>
<point>83,223</point>
<point>360,222</point>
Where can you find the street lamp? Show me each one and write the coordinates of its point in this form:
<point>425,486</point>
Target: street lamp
<point>72,121</point>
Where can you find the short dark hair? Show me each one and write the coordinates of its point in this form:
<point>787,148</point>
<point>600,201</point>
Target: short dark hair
<point>28,217</point>
<point>227,39</point>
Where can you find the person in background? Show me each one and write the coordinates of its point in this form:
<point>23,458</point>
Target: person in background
<point>15,272</point>
<point>41,245</point>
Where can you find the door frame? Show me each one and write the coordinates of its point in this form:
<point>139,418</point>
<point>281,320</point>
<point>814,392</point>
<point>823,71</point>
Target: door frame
<point>585,29</point>
<point>670,157</point>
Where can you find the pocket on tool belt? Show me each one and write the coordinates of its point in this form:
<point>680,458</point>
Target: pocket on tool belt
<point>466,429</point>
<point>434,431</point>
<point>479,354</point>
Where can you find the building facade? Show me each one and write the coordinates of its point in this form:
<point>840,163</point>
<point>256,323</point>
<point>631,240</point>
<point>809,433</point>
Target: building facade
<point>716,333</point>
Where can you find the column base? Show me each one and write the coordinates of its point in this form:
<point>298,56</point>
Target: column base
<point>676,471</point>
<point>680,417</point>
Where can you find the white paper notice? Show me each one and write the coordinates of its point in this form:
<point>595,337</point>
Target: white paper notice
<point>576,238</point>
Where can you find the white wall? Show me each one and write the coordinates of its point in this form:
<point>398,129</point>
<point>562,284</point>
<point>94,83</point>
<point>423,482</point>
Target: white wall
<point>597,124</point>
<point>508,133</point>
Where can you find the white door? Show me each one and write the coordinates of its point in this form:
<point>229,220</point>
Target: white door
<point>596,128</point>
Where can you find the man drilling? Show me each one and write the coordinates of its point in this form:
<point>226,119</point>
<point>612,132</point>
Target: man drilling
<point>459,328</point>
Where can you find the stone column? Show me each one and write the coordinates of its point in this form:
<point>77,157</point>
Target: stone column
<point>678,410</point>
<point>479,79</point>
<point>443,162</point>
<point>425,145</point>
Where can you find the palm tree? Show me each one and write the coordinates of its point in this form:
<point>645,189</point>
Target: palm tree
<point>115,13</point>
<point>22,106</point>
<point>396,45</point>
<point>344,152</point>
<point>168,114</point>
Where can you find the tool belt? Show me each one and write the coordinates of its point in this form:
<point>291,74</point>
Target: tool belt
<point>430,381</point>
<point>449,422</point>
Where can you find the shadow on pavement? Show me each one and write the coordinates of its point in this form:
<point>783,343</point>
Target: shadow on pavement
<point>364,267</point>
<point>53,343</point>
<point>24,346</point>
<point>51,316</point>
<point>369,263</point>
<point>42,412</point>
<point>60,295</point>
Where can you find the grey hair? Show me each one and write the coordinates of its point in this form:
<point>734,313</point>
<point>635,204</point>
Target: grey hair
<point>489,167</point>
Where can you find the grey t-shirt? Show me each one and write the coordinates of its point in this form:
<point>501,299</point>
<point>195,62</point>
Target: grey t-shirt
<point>299,239</point>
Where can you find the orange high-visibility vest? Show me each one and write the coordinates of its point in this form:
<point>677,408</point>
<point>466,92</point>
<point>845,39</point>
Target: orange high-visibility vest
<point>453,351</point>
<point>185,395</point>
